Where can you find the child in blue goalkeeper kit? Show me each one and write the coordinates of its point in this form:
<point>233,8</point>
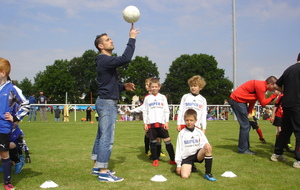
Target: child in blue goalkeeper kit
<point>9,96</point>
<point>17,145</point>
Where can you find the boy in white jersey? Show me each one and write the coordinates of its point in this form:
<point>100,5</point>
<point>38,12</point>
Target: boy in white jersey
<point>193,100</point>
<point>139,109</point>
<point>156,120</point>
<point>192,146</point>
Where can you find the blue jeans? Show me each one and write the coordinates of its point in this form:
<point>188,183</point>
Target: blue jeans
<point>107,111</point>
<point>241,112</point>
<point>32,112</point>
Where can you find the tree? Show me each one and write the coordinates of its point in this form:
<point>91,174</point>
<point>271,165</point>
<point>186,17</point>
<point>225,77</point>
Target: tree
<point>26,86</point>
<point>76,77</point>
<point>55,81</point>
<point>83,71</point>
<point>139,69</point>
<point>217,86</point>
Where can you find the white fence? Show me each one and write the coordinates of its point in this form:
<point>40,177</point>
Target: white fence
<point>218,109</point>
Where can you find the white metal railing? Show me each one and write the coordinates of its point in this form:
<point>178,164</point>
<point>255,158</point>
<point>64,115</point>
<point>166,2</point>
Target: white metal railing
<point>173,108</point>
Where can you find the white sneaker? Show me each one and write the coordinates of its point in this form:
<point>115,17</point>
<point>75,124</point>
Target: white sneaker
<point>296,164</point>
<point>278,158</point>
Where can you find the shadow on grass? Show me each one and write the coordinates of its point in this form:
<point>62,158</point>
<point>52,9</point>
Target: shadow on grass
<point>267,147</point>
<point>25,173</point>
<point>230,147</point>
<point>119,160</point>
<point>264,151</point>
<point>142,156</point>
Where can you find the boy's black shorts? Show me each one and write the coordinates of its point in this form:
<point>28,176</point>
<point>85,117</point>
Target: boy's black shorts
<point>277,121</point>
<point>191,159</point>
<point>4,142</point>
<point>154,132</point>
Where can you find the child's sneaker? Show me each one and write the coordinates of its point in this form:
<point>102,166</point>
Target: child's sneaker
<point>27,159</point>
<point>277,158</point>
<point>172,162</point>
<point>95,171</point>
<point>296,164</point>
<point>263,141</point>
<point>148,153</point>
<point>109,177</point>
<point>288,148</point>
<point>209,177</point>
<point>155,163</point>
<point>8,186</point>
<point>19,167</point>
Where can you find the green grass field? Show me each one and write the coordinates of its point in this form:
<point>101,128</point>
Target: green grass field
<point>60,151</point>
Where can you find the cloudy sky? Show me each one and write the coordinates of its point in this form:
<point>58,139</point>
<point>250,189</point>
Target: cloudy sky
<point>35,33</point>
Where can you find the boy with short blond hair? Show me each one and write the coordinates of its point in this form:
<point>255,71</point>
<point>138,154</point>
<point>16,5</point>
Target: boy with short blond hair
<point>156,120</point>
<point>193,100</point>
<point>9,96</point>
<point>192,146</point>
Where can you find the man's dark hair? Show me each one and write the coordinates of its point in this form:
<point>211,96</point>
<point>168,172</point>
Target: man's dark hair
<point>298,59</point>
<point>99,41</point>
<point>271,79</point>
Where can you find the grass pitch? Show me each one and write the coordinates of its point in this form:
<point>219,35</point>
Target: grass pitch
<point>60,151</point>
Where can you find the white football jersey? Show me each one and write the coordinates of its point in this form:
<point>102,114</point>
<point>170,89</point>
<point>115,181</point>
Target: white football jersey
<point>197,103</point>
<point>156,109</point>
<point>188,143</point>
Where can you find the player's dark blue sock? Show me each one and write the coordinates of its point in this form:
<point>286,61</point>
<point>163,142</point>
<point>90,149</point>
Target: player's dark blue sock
<point>13,155</point>
<point>6,165</point>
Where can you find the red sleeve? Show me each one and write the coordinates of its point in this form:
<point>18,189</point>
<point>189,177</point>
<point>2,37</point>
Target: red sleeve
<point>250,92</point>
<point>245,93</point>
<point>261,88</point>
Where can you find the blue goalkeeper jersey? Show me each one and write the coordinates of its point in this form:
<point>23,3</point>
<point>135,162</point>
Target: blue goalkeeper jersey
<point>15,134</point>
<point>10,95</point>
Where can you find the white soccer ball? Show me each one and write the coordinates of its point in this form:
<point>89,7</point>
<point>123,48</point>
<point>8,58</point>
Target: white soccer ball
<point>131,14</point>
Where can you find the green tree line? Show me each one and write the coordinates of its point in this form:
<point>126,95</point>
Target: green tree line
<point>77,77</point>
